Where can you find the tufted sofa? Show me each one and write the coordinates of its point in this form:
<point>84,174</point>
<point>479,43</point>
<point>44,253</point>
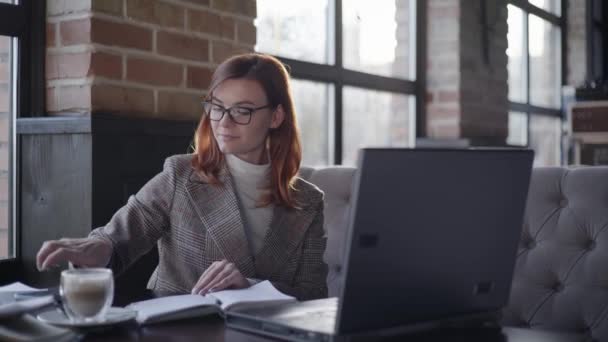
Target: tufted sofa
<point>561,274</point>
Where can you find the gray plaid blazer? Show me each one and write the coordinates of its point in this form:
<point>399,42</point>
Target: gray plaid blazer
<point>195,223</point>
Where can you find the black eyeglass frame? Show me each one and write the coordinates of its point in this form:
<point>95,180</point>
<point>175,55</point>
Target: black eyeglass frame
<point>208,104</point>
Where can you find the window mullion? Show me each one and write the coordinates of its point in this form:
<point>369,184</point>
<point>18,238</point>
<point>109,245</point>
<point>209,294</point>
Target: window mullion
<point>527,61</point>
<point>338,140</point>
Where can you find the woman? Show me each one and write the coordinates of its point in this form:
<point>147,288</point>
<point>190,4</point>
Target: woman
<point>231,213</point>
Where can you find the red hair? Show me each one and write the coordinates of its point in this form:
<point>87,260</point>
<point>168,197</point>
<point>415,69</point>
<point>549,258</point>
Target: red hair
<point>283,142</point>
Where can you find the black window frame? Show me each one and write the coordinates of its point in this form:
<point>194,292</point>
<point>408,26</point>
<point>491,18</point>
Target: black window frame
<point>597,40</point>
<point>560,21</point>
<point>25,20</point>
<point>339,76</point>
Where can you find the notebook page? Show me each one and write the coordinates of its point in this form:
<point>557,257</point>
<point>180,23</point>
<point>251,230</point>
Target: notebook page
<point>152,309</point>
<point>260,292</point>
<point>19,287</point>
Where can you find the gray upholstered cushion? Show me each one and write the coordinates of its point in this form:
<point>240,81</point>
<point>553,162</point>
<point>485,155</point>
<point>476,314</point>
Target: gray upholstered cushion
<point>561,276</point>
<point>336,183</point>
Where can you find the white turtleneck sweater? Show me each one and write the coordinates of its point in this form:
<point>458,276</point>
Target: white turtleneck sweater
<point>251,181</point>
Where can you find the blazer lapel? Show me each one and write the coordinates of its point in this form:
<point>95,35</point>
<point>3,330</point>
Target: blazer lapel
<point>218,209</point>
<point>286,232</point>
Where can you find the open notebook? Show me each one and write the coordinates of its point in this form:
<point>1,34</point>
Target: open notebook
<point>185,306</point>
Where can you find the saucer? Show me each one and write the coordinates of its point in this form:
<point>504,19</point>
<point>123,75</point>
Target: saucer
<point>113,316</point>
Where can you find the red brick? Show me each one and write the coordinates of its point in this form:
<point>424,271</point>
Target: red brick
<point>448,96</point>
<point>61,7</point>
<point>106,65</point>
<point>198,78</point>
<point>199,2</point>
<point>125,100</point>
<point>112,7</point>
<point>444,11</point>
<point>443,130</point>
<point>156,12</point>
<point>51,34</point>
<point>244,7</point>
<point>5,44</point>
<point>120,34</point>
<point>52,95</point>
<point>4,99</point>
<point>3,218</point>
<point>75,32</point>
<point>4,72</point>
<point>228,27</point>
<point>181,46</point>
<point>211,23</point>
<point>246,32</point>
<point>442,112</point>
<point>179,106</point>
<point>3,244</point>
<point>4,189</point>
<point>71,65</point>
<point>4,158</point>
<point>222,50</point>
<point>75,98</point>
<point>429,97</point>
<point>4,129</point>
<point>154,72</point>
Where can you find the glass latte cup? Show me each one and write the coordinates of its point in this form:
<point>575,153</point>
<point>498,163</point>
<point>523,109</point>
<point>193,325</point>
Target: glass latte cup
<point>86,293</point>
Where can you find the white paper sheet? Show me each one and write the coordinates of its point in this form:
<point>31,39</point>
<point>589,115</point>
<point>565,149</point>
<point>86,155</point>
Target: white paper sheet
<point>19,287</point>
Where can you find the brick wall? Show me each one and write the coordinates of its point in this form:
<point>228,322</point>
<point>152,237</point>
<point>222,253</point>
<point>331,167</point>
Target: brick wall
<point>483,72</point>
<point>577,46</point>
<point>147,58</point>
<point>467,75</point>
<point>467,89</point>
<point>443,74</point>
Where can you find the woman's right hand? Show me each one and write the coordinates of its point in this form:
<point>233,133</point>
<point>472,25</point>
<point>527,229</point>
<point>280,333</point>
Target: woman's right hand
<point>87,252</point>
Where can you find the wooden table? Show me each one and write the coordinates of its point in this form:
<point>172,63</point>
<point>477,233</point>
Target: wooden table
<point>212,328</point>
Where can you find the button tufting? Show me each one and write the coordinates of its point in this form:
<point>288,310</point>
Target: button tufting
<point>531,244</point>
<point>563,203</point>
<point>585,330</point>
<point>558,287</point>
<point>591,245</point>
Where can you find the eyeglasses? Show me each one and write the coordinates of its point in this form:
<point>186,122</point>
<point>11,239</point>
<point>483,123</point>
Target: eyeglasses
<point>238,115</point>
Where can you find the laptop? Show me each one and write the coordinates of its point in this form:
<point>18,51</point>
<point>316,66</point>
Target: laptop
<point>432,239</point>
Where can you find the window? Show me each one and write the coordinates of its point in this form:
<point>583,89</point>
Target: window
<point>353,65</point>
<point>536,64</point>
<point>21,85</point>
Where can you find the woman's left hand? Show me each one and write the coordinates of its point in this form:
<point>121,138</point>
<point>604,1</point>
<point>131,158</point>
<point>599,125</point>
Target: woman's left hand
<point>220,275</point>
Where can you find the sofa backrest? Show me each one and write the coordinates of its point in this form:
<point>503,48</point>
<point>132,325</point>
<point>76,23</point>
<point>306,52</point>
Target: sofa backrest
<point>561,273</point>
<point>336,183</point>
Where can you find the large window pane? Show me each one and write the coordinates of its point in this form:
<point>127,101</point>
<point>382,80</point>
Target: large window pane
<point>295,29</point>
<point>517,53</point>
<point>314,104</point>
<point>6,93</point>
<point>545,63</point>
<point>518,129</point>
<point>553,6</point>
<point>378,36</point>
<point>375,119</point>
<point>545,139</point>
